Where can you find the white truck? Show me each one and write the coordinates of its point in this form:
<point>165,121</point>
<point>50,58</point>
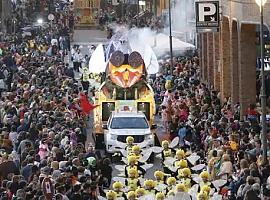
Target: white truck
<point>123,124</point>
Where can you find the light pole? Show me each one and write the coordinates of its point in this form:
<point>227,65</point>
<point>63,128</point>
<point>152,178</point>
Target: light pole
<point>137,12</point>
<point>14,26</point>
<point>170,27</point>
<point>122,9</point>
<point>263,94</point>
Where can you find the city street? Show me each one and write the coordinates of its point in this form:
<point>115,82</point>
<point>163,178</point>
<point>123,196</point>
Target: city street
<point>94,37</point>
<point>174,105</point>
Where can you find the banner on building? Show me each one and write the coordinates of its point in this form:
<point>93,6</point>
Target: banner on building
<point>207,16</point>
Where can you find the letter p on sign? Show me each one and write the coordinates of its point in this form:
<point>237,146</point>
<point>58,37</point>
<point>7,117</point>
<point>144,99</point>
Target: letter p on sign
<point>207,16</point>
<point>206,9</point>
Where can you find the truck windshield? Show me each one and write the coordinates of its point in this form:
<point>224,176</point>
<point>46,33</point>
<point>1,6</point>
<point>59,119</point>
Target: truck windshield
<point>129,123</point>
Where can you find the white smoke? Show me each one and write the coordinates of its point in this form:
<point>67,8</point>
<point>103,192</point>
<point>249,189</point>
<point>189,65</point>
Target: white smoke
<point>140,38</point>
<point>183,19</point>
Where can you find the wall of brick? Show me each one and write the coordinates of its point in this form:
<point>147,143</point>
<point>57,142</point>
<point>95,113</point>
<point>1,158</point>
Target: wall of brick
<point>229,57</point>
<point>234,62</point>
<point>204,56</point>
<point>247,63</point>
<point>225,87</point>
<point>216,60</point>
<point>210,59</point>
<point>200,43</point>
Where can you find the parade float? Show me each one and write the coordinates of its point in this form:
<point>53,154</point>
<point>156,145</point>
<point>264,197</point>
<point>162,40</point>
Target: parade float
<point>125,86</point>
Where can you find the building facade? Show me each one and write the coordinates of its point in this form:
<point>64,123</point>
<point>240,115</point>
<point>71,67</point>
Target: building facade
<point>228,58</point>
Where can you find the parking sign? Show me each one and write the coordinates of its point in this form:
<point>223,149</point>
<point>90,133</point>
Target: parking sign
<point>207,15</point>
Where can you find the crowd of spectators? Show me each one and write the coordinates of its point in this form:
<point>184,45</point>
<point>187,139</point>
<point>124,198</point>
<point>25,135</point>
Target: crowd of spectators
<point>43,149</point>
<point>44,153</point>
<point>231,146</point>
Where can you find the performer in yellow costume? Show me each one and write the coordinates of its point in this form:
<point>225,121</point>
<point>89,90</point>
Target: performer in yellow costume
<point>180,187</point>
<point>171,182</point>
<point>160,196</point>
<point>206,190</point>
<point>131,195</point>
<point>140,192</point>
<point>132,182</point>
<point>149,186</point>
<point>130,144</point>
<point>205,176</point>
<point>136,150</point>
<point>180,154</point>
<point>166,152</point>
<point>185,178</point>
<point>111,195</point>
<point>132,160</point>
<point>118,189</point>
<point>159,175</point>
<point>181,164</point>
<point>202,196</point>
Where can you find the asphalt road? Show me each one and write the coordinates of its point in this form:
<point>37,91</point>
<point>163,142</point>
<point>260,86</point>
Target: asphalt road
<point>88,37</point>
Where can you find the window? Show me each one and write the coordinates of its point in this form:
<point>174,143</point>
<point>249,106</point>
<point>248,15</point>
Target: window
<point>129,123</point>
<point>107,108</point>
<point>145,108</point>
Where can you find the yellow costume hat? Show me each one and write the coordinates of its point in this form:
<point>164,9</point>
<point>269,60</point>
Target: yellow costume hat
<point>205,174</point>
<point>180,153</point>
<point>186,172</point>
<point>131,158</point>
<point>132,171</point>
<point>111,195</point>
<point>206,189</point>
<point>140,191</point>
<point>171,181</point>
<point>149,183</point>
<point>160,196</point>
<point>202,196</point>
<point>131,194</point>
<point>159,174</point>
<point>182,163</point>
<point>165,143</point>
<point>117,185</point>
<point>136,148</point>
<point>181,188</point>
<point>129,139</point>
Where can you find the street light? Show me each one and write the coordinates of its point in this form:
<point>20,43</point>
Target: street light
<point>40,21</point>
<point>170,27</point>
<point>261,3</point>
<point>14,26</point>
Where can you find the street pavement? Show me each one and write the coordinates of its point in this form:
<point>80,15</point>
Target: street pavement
<point>89,37</point>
